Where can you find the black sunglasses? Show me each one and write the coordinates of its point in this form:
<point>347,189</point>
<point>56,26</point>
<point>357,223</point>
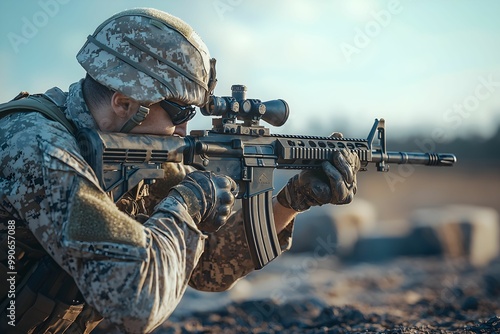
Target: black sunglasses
<point>179,114</point>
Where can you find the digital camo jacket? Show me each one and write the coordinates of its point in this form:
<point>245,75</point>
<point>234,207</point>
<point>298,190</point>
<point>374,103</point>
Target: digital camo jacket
<point>133,274</point>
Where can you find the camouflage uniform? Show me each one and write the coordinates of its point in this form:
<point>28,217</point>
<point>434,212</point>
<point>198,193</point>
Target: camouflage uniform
<point>133,274</point>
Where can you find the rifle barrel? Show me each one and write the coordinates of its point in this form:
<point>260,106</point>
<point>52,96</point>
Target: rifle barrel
<point>417,158</point>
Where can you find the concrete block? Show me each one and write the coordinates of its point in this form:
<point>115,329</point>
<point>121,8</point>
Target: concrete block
<point>457,231</point>
<point>343,224</point>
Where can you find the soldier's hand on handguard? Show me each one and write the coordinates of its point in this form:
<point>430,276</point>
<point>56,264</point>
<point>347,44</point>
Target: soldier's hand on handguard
<point>335,183</point>
<point>208,197</point>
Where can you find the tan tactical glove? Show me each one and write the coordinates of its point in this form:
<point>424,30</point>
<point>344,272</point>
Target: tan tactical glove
<point>209,198</point>
<point>335,183</point>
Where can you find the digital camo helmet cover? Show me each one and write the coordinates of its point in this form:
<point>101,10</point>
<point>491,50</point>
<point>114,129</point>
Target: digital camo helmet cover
<point>150,55</point>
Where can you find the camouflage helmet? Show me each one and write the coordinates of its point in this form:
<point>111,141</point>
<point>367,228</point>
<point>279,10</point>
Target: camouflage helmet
<point>150,55</point>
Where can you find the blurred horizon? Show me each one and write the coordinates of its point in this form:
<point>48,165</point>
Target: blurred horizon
<point>428,68</point>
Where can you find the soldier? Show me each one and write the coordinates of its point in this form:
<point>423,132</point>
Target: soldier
<point>79,256</point>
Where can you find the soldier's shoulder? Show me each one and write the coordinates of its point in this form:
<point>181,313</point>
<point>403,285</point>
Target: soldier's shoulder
<point>27,135</point>
<point>32,125</point>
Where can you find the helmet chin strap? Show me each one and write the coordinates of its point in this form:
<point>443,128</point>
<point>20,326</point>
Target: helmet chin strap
<point>135,120</point>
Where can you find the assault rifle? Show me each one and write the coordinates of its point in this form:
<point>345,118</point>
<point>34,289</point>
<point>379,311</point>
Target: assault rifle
<point>239,147</point>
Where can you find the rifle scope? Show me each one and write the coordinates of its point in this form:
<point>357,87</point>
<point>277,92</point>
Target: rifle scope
<point>274,112</point>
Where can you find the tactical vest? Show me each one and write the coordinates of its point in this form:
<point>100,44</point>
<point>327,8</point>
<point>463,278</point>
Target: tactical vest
<point>47,299</point>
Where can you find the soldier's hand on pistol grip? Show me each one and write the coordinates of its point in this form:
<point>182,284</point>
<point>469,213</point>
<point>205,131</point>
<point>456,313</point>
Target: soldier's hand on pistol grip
<point>335,183</point>
<point>208,197</point>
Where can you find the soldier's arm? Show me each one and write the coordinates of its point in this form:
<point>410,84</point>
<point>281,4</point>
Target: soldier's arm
<point>226,257</point>
<point>133,274</point>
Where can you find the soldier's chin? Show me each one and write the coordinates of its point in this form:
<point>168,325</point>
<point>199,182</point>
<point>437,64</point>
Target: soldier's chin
<point>180,130</point>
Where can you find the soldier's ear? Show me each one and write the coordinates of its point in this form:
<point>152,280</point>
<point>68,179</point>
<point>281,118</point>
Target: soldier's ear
<point>123,106</point>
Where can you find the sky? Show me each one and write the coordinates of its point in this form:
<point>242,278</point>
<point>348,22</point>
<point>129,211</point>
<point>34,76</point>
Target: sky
<point>427,67</point>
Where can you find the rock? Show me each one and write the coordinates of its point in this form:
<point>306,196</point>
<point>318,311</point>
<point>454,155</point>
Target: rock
<point>376,248</point>
<point>456,231</point>
<point>470,303</point>
<point>492,285</point>
<point>344,224</point>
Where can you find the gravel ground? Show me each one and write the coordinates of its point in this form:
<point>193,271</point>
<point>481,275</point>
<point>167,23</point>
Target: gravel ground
<point>303,294</point>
